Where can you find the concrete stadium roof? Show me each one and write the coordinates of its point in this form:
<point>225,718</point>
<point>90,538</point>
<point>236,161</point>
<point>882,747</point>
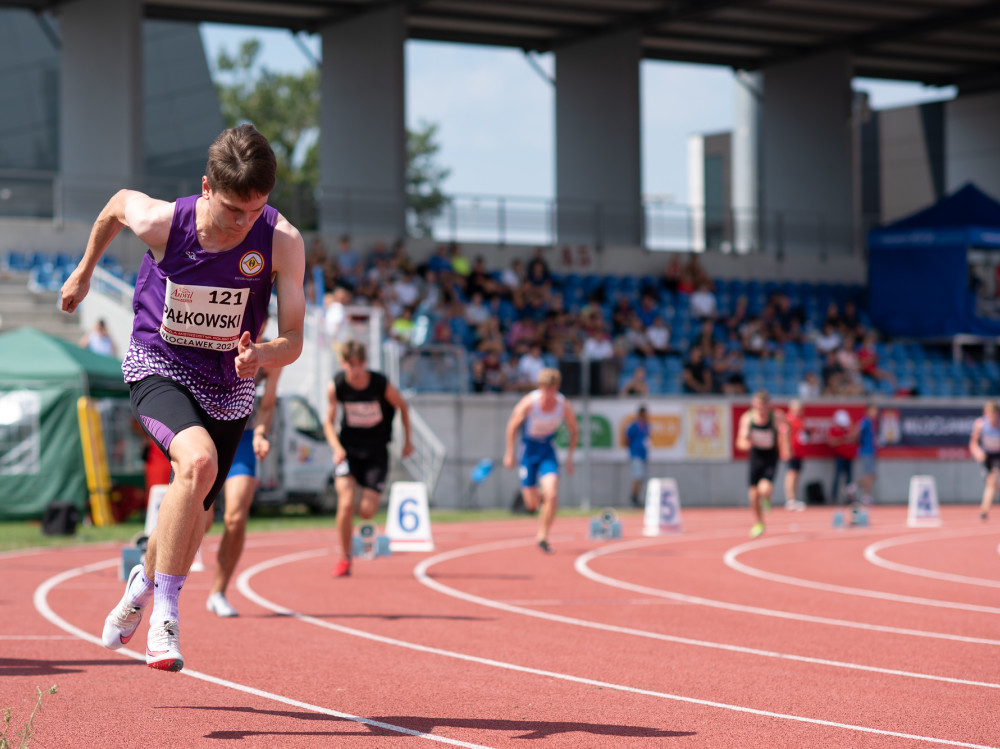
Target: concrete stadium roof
<point>937,42</point>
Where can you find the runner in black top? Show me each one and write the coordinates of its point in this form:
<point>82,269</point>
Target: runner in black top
<point>763,433</point>
<point>360,448</point>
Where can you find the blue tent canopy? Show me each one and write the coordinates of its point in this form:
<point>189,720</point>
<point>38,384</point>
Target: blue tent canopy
<point>918,272</point>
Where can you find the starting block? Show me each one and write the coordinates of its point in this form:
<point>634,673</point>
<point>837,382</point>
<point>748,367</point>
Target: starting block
<point>859,517</point>
<point>838,519</point>
<point>606,525</point>
<point>133,555</point>
<point>367,544</point>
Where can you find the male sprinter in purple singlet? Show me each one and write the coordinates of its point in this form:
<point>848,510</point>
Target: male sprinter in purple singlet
<point>200,299</point>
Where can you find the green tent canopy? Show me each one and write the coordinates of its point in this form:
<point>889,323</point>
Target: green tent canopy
<point>41,455</point>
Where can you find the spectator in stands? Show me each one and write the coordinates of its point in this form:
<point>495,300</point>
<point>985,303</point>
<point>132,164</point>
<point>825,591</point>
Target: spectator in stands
<point>703,303</point>
<point>850,368</point>
<point>736,383</point>
<point>670,279</point>
<point>459,263</point>
<point>440,263</point>
<point>658,334</point>
<point>489,339</point>
<point>648,310</point>
<point>740,315</point>
<point>718,364</point>
<point>482,281</point>
<point>696,376</point>
<point>693,275</point>
<point>493,373</point>
<point>850,321</point>
<point>752,338</point>
<point>621,316</point>
<point>636,339</point>
<point>833,375</point>
<point>868,360</point>
<point>348,261</point>
<point>476,311</point>
<point>512,276</point>
<point>829,339</point>
<point>843,438</point>
<point>597,345</point>
<point>529,365</point>
<point>809,386</point>
<point>430,292</point>
<point>832,316</point>
<point>405,291</point>
<point>523,332</point>
<point>401,329</point>
<point>99,340</point>
<point>334,314</point>
<point>636,385</point>
<point>538,272</point>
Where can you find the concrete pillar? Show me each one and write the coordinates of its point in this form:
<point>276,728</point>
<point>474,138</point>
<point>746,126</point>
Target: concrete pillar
<point>363,126</point>
<point>746,168</point>
<point>100,99</point>
<point>807,200</point>
<point>598,172</point>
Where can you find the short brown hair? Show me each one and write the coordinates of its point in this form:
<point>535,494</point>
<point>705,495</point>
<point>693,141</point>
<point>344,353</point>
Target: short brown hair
<point>353,351</point>
<point>241,163</point>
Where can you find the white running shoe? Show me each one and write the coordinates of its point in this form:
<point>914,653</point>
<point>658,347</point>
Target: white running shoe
<point>121,623</point>
<point>197,565</point>
<point>163,647</point>
<point>219,606</point>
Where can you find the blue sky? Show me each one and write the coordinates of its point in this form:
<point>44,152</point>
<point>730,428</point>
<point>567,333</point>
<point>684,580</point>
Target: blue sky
<point>495,111</point>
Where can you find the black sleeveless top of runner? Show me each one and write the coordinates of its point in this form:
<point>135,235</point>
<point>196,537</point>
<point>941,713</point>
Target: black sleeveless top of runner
<point>763,439</point>
<point>366,424</point>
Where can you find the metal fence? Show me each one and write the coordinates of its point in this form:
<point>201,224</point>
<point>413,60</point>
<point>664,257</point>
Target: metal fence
<point>491,219</point>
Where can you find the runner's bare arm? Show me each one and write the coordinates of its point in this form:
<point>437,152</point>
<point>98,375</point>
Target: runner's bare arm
<point>289,258</point>
<point>515,421</point>
<point>289,261</point>
<point>148,218</point>
<point>569,416</point>
<point>743,433</point>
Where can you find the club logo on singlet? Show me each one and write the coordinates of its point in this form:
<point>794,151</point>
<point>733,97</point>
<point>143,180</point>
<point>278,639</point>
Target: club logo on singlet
<point>252,263</point>
<point>363,414</point>
<point>203,316</point>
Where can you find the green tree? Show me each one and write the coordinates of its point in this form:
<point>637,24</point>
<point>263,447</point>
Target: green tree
<point>424,177</point>
<point>286,108</point>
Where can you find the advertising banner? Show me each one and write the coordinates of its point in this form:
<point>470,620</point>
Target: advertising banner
<point>905,431</point>
<point>679,430</point>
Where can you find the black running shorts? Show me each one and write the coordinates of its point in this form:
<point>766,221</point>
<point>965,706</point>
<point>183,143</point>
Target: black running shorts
<point>164,408</point>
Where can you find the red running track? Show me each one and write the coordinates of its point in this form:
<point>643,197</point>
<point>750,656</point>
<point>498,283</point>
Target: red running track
<point>810,636</point>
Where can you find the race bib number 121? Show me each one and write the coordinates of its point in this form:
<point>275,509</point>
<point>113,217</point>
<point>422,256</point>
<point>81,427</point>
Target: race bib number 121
<point>203,316</point>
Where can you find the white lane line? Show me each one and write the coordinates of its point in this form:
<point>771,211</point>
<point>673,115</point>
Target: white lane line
<point>43,608</point>
<point>243,583</point>
<point>420,572</point>
<point>583,569</point>
<point>872,555</point>
<point>732,561</point>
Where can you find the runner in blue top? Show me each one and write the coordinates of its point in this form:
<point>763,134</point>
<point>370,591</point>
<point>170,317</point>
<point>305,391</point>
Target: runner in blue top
<point>868,451</point>
<point>984,444</point>
<point>537,417</point>
<point>201,296</point>
<point>637,436</point>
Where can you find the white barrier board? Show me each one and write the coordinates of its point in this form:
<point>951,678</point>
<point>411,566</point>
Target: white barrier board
<point>408,522</point>
<point>923,511</point>
<point>663,508</point>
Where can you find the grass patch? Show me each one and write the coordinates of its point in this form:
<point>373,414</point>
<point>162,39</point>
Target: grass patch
<point>27,534</point>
